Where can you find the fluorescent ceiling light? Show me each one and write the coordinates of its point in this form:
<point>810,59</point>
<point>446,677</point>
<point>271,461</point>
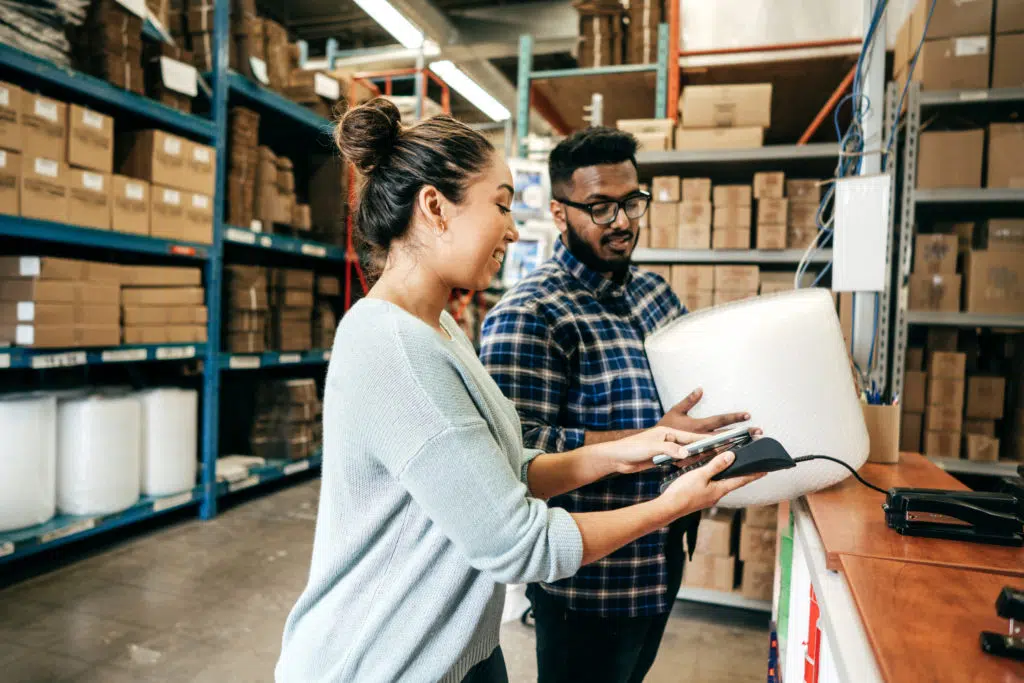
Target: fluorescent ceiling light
<point>392,21</point>
<point>468,88</point>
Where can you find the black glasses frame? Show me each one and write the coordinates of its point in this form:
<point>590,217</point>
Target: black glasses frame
<point>620,206</point>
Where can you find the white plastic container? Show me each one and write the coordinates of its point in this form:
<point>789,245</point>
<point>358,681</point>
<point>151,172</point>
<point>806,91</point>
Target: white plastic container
<point>99,450</point>
<point>781,358</point>
<point>169,433</point>
<point>28,460</point>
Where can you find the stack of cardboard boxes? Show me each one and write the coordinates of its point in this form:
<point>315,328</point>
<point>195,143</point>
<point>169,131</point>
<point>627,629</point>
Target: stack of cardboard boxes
<point>803,200</point>
<point>243,161</point>
<point>772,210</point>
<point>680,215</point>
<point>48,302</point>
<point>986,397</point>
<point>757,551</point>
<point>325,320</point>
<point>291,305</point>
<point>161,305</point>
<point>163,63</point>
<point>943,414</point>
<point>109,45</point>
<point>723,116</point>
<point>316,91</point>
<point>287,421</point>
<point>735,283</point>
<point>246,309</point>
<point>694,285</point>
<point>642,40</point>
<point>654,135</point>
<point>278,54</point>
<point>601,33</point>
<point>731,224</point>
<point>713,564</point>
<point>934,283</point>
<point>728,553</point>
<point>953,159</point>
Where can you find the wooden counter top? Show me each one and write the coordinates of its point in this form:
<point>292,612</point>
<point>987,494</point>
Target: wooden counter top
<point>850,520</point>
<point>923,621</point>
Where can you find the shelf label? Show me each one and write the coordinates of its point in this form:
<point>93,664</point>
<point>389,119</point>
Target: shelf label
<point>266,242</point>
<point>241,236</point>
<point>256,225</point>
<point>123,356</point>
<point>175,352</point>
<point>178,76</point>
<point>172,501</point>
<point>259,70</point>
<point>313,250</point>
<point>59,360</point>
<point>46,167</point>
<point>134,192</point>
<point>326,87</point>
<point>974,96</point>
<point>327,355</point>
<point>172,146</point>
<point>5,360</point>
<point>69,530</point>
<point>184,250</point>
<point>286,358</point>
<point>200,201</point>
<point>6,549</point>
<point>92,181</point>
<point>296,467</point>
<point>172,197</point>
<point>5,97</point>
<point>244,362</point>
<point>244,484</point>
<point>92,119</point>
<point>46,109</point>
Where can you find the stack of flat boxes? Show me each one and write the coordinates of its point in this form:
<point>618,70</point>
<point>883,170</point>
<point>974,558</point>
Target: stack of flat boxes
<point>328,302</point>
<point>155,55</point>
<point>732,212</point>
<point>803,198</point>
<point>44,173</point>
<point>328,197</point>
<point>713,564</point>
<point>914,399</point>
<point>277,54</point>
<point>757,551</point>
<point>287,424</point>
<point>162,305</point>
<point>48,302</point>
<point>934,283</point>
<point>664,212</point>
<point>291,307</point>
<point>246,309</point>
<point>243,160</point>
<point>266,193</point>
<point>943,415</point>
<point>601,33</point>
<point>286,200</point>
<point>735,283</point>
<point>316,91</point>
<point>772,210</point>
<point>642,40</point>
<point>109,45</point>
<point>723,116</point>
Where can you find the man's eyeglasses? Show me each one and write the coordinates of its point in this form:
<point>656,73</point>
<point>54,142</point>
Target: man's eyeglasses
<point>605,212</point>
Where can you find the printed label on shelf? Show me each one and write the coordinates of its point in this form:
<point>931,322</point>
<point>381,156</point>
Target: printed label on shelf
<point>200,201</point>
<point>201,154</point>
<point>313,250</point>
<point>239,235</point>
<point>69,530</point>
<point>134,192</point>
<point>296,467</point>
<point>5,360</point>
<point>92,119</point>
<point>6,549</point>
<point>266,242</point>
<point>123,355</point>
<point>256,225</point>
<point>92,181</point>
<point>244,362</point>
<point>172,501</point>
<point>244,484</point>
<point>24,335</point>
<point>285,358</point>
<point>179,76</point>
<point>29,266</point>
<point>172,197</point>
<point>973,95</point>
<point>47,110</point>
<point>5,97</point>
<point>136,7</point>
<point>175,352</point>
<point>59,360</point>
<point>327,355</point>
<point>327,87</point>
<point>26,311</point>
<point>968,47</point>
<point>47,167</point>
<point>172,146</point>
<point>259,70</point>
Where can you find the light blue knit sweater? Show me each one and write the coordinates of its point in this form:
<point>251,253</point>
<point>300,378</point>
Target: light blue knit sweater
<point>424,512</point>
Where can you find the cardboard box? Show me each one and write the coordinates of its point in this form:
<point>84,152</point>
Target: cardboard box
<point>995,282</point>
<point>1008,65</point>
<point>1005,234</point>
<point>939,292</point>
<point>146,315</point>
<point>90,139</point>
<point>38,336</point>
<point>771,236</point>
<point>942,444</point>
<point>653,134</point>
<point>761,516</point>
<point>93,314</point>
<point>328,285</point>
<point>714,536</point>
<point>665,188</point>
<point>693,236</point>
<point>950,159</point>
<point>935,254</point>
<point>98,294</point>
<point>167,213</point>
<point>696,301</point>
<point>43,125</point>
<point>772,211</point>
<point>44,189</point>
<point>692,212</point>
<point>914,393</point>
<point>129,205</point>
<point>187,315</point>
<point>89,199</point>
<point>757,545</point>
<point>145,334</point>
<point>156,156</point>
<point>981,448</point>
<point>911,425</point>
<point>983,427</point>
<point>940,339</point>
<point>942,418</point>
<point>949,393</point>
<point>10,111</point>
<point>162,296</point>
<point>783,281</point>
<point>294,298</point>
<point>199,218</point>
<point>985,397</point>
<point>10,183</point>
<point>801,190</point>
<point>38,291</point>
<point>161,276</point>
<point>99,271</point>
<point>12,312</point>
<point>186,334</point>
<point>758,582</point>
<point>696,189</point>
<point>292,278</point>
<point>719,138</point>
<point>953,18</point>
<point>947,365</point>
<point>687,279</point>
<point>954,63</point>
<point>732,195</point>
<point>202,168</point>
<point>732,217</point>
<point>87,335</point>
<point>1009,16</point>
<point>726,106</point>
<point>710,572</point>
<point>731,238</point>
<point>737,278</point>
<point>802,216</point>
<point>769,185</point>
<point>1005,151</point>
<point>653,142</point>
<point>43,268</point>
<point>664,225</point>
<point>915,358</point>
<point>721,297</point>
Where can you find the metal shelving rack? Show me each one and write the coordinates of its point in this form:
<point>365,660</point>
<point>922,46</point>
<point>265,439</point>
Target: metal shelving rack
<point>41,236</point>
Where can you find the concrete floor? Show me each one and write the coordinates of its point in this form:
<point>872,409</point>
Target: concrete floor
<point>206,601</point>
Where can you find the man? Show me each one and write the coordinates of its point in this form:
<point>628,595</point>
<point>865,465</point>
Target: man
<point>566,345</point>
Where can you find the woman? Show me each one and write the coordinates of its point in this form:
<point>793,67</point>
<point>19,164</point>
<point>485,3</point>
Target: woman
<point>429,502</point>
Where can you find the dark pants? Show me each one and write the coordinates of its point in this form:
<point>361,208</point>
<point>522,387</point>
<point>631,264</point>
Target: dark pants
<point>573,646</point>
<point>491,670</point>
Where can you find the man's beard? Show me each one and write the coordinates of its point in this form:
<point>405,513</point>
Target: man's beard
<point>585,253</point>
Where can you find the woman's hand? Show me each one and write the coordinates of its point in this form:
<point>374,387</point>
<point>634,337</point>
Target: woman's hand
<point>636,453</point>
<point>695,491</point>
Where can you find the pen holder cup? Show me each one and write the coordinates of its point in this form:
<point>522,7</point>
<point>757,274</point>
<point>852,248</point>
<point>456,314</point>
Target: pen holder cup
<point>883,423</point>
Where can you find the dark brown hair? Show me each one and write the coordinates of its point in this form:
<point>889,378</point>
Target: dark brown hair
<point>395,161</point>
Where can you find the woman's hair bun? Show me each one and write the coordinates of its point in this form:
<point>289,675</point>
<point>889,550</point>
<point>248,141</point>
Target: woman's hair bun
<point>368,133</point>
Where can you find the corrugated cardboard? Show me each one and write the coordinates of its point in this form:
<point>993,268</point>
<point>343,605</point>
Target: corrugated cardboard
<point>293,298</point>
<point>728,106</point>
<point>915,358</point>
<point>162,296</point>
<point>147,315</point>
<point>994,282</point>
<point>732,195</point>
<point>89,198</point>
<point>1005,234</point>
<point>732,217</point>
<point>44,189</point>
<point>953,18</point>
<point>38,291</point>
<point>160,276</point>
<point>202,168</point>
<point>914,383</point>
<point>693,236</point>
<point>715,537</point>
<point>10,183</point>
<point>935,254</point>
<point>199,218</point>
<point>730,238</point>
<point>646,126</point>
<point>942,418</point>
<point>42,267</point>
<point>941,444</point>
<point>687,279</point>
<point>12,312</point>
<point>129,205</point>
<point>292,278</point>
<point>696,189</point>
<point>985,397</point>
<point>771,236</point>
<point>186,334</point>
<point>149,334</point>
<point>938,292</point>
<point>883,423</point>
<point>949,393</point>
<point>664,272</point>
<point>98,315</point>
<point>167,213</point>
<point>761,516</point>
<point>911,425</point>
<point>940,339</point>
<point>43,127</point>
<point>719,138</point>
<point>757,545</point>
<point>782,281</point>
<point>156,156</point>
<point>772,211</point>
<point>983,427</point>
<point>737,278</point>
<point>1008,66</point>
<point>99,271</point>
<point>1009,16</point>
<point>950,159</point>
<point>696,301</point>
<point>90,139</point>
<point>187,315</point>
<point>981,448</point>
<point>653,142</point>
<point>10,110</point>
<point>802,215</point>
<point>87,335</point>
<point>769,185</point>
<point>694,212</point>
<point>39,336</point>
<point>954,64</point>
<point>665,188</point>
<point>98,294</point>
<point>710,572</point>
<point>328,285</point>
<point>1005,151</point>
<point>758,580</point>
<point>947,365</point>
<point>802,190</point>
<point>664,225</point>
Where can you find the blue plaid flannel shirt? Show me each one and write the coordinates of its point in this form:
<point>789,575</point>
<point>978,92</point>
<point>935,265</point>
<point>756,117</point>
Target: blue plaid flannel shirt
<point>566,345</point>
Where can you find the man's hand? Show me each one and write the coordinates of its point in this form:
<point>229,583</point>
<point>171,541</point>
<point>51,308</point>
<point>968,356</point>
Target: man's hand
<point>678,417</point>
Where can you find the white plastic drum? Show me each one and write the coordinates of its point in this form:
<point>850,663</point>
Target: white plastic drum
<point>169,433</point>
<point>99,449</point>
<point>28,460</point>
<point>781,358</point>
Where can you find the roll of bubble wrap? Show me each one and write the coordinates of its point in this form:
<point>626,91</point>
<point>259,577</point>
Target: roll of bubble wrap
<point>169,433</point>
<point>781,358</point>
<point>28,460</point>
<point>99,450</point>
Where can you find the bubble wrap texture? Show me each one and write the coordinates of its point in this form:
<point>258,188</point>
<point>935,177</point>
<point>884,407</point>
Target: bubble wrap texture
<point>28,460</point>
<point>782,359</point>
<point>169,438</point>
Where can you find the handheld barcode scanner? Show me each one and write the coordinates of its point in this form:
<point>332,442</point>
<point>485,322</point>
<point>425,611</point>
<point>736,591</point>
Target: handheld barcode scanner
<point>1009,605</point>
